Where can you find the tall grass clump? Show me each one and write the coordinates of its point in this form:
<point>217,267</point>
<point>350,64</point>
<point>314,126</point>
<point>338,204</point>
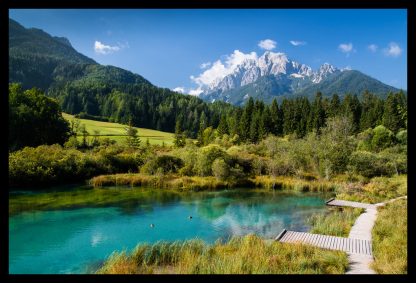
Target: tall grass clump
<point>240,255</point>
<point>390,239</point>
<point>335,222</point>
<point>378,189</point>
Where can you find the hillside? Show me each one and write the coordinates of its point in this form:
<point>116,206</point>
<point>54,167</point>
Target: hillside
<point>37,59</point>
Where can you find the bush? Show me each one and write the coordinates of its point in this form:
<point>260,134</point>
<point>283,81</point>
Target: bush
<point>164,164</point>
<point>382,138</point>
<point>369,164</point>
<point>401,137</point>
<point>220,169</point>
<point>206,157</point>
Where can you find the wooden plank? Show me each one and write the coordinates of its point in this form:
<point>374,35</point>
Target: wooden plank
<point>356,246</point>
<point>281,235</point>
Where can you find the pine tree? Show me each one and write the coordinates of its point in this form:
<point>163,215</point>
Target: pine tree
<point>392,118</point>
<point>254,128</point>
<point>317,115</point>
<point>222,126</point>
<point>334,106</point>
<point>275,121</point>
<point>351,107</point>
<point>264,124</point>
<point>132,139</point>
<point>179,138</point>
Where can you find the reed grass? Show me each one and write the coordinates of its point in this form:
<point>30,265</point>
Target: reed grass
<point>378,189</point>
<point>293,183</point>
<point>334,222</point>
<point>390,239</point>
<point>240,255</point>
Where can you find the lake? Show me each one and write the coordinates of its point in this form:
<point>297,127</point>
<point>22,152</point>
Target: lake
<point>77,240</point>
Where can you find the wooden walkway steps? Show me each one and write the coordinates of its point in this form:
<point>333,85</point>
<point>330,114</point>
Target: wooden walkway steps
<point>336,202</point>
<point>349,245</point>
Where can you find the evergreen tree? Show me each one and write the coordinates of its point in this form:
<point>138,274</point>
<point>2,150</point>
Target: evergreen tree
<point>392,116</point>
<point>317,114</point>
<point>254,128</point>
<point>132,138</point>
<point>222,126</point>
<point>370,111</point>
<point>334,106</point>
<point>179,138</point>
<point>275,124</point>
<point>289,119</point>
<point>351,107</point>
<point>264,124</point>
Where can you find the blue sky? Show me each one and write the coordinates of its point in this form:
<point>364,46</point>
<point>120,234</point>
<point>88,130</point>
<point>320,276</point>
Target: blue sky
<point>167,47</point>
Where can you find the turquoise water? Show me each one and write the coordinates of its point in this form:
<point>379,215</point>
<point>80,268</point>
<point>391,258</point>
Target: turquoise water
<point>78,240</point>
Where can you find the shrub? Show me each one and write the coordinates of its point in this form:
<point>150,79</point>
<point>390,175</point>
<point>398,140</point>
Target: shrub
<point>382,138</point>
<point>369,164</point>
<point>164,163</point>
<point>401,137</point>
<point>206,157</point>
<point>220,169</point>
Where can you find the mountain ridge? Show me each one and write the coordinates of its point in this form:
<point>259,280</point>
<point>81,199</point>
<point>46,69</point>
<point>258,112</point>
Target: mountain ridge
<point>275,75</point>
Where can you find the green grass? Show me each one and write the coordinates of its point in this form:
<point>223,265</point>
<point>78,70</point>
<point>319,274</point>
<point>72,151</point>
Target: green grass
<point>116,131</point>
<point>390,239</point>
<point>335,222</point>
<point>240,255</point>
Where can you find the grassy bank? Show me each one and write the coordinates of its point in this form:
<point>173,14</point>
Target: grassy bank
<point>335,222</point>
<point>390,239</point>
<point>241,255</point>
<point>210,183</point>
<point>378,189</point>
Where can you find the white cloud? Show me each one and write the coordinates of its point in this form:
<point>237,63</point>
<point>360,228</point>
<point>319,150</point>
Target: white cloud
<point>297,43</point>
<point>205,65</point>
<point>267,44</point>
<point>372,47</point>
<point>195,92</point>
<point>392,50</point>
<point>106,49</point>
<point>219,70</point>
<point>345,47</point>
<point>179,89</point>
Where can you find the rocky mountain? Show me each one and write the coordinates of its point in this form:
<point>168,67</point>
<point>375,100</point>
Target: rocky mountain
<point>274,75</point>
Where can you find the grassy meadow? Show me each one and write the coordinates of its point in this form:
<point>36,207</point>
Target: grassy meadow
<point>117,131</point>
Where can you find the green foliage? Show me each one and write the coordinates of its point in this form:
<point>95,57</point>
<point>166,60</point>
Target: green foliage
<point>132,139</point>
<point>369,164</point>
<point>395,112</point>
<point>382,138</point>
<point>49,165</point>
<point>179,138</point>
<point>206,157</point>
<point>34,119</point>
<point>220,169</point>
<point>164,163</point>
<point>401,137</point>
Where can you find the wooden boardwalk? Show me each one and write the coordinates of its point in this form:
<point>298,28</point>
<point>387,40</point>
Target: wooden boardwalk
<point>336,202</point>
<point>349,245</point>
<point>358,245</point>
